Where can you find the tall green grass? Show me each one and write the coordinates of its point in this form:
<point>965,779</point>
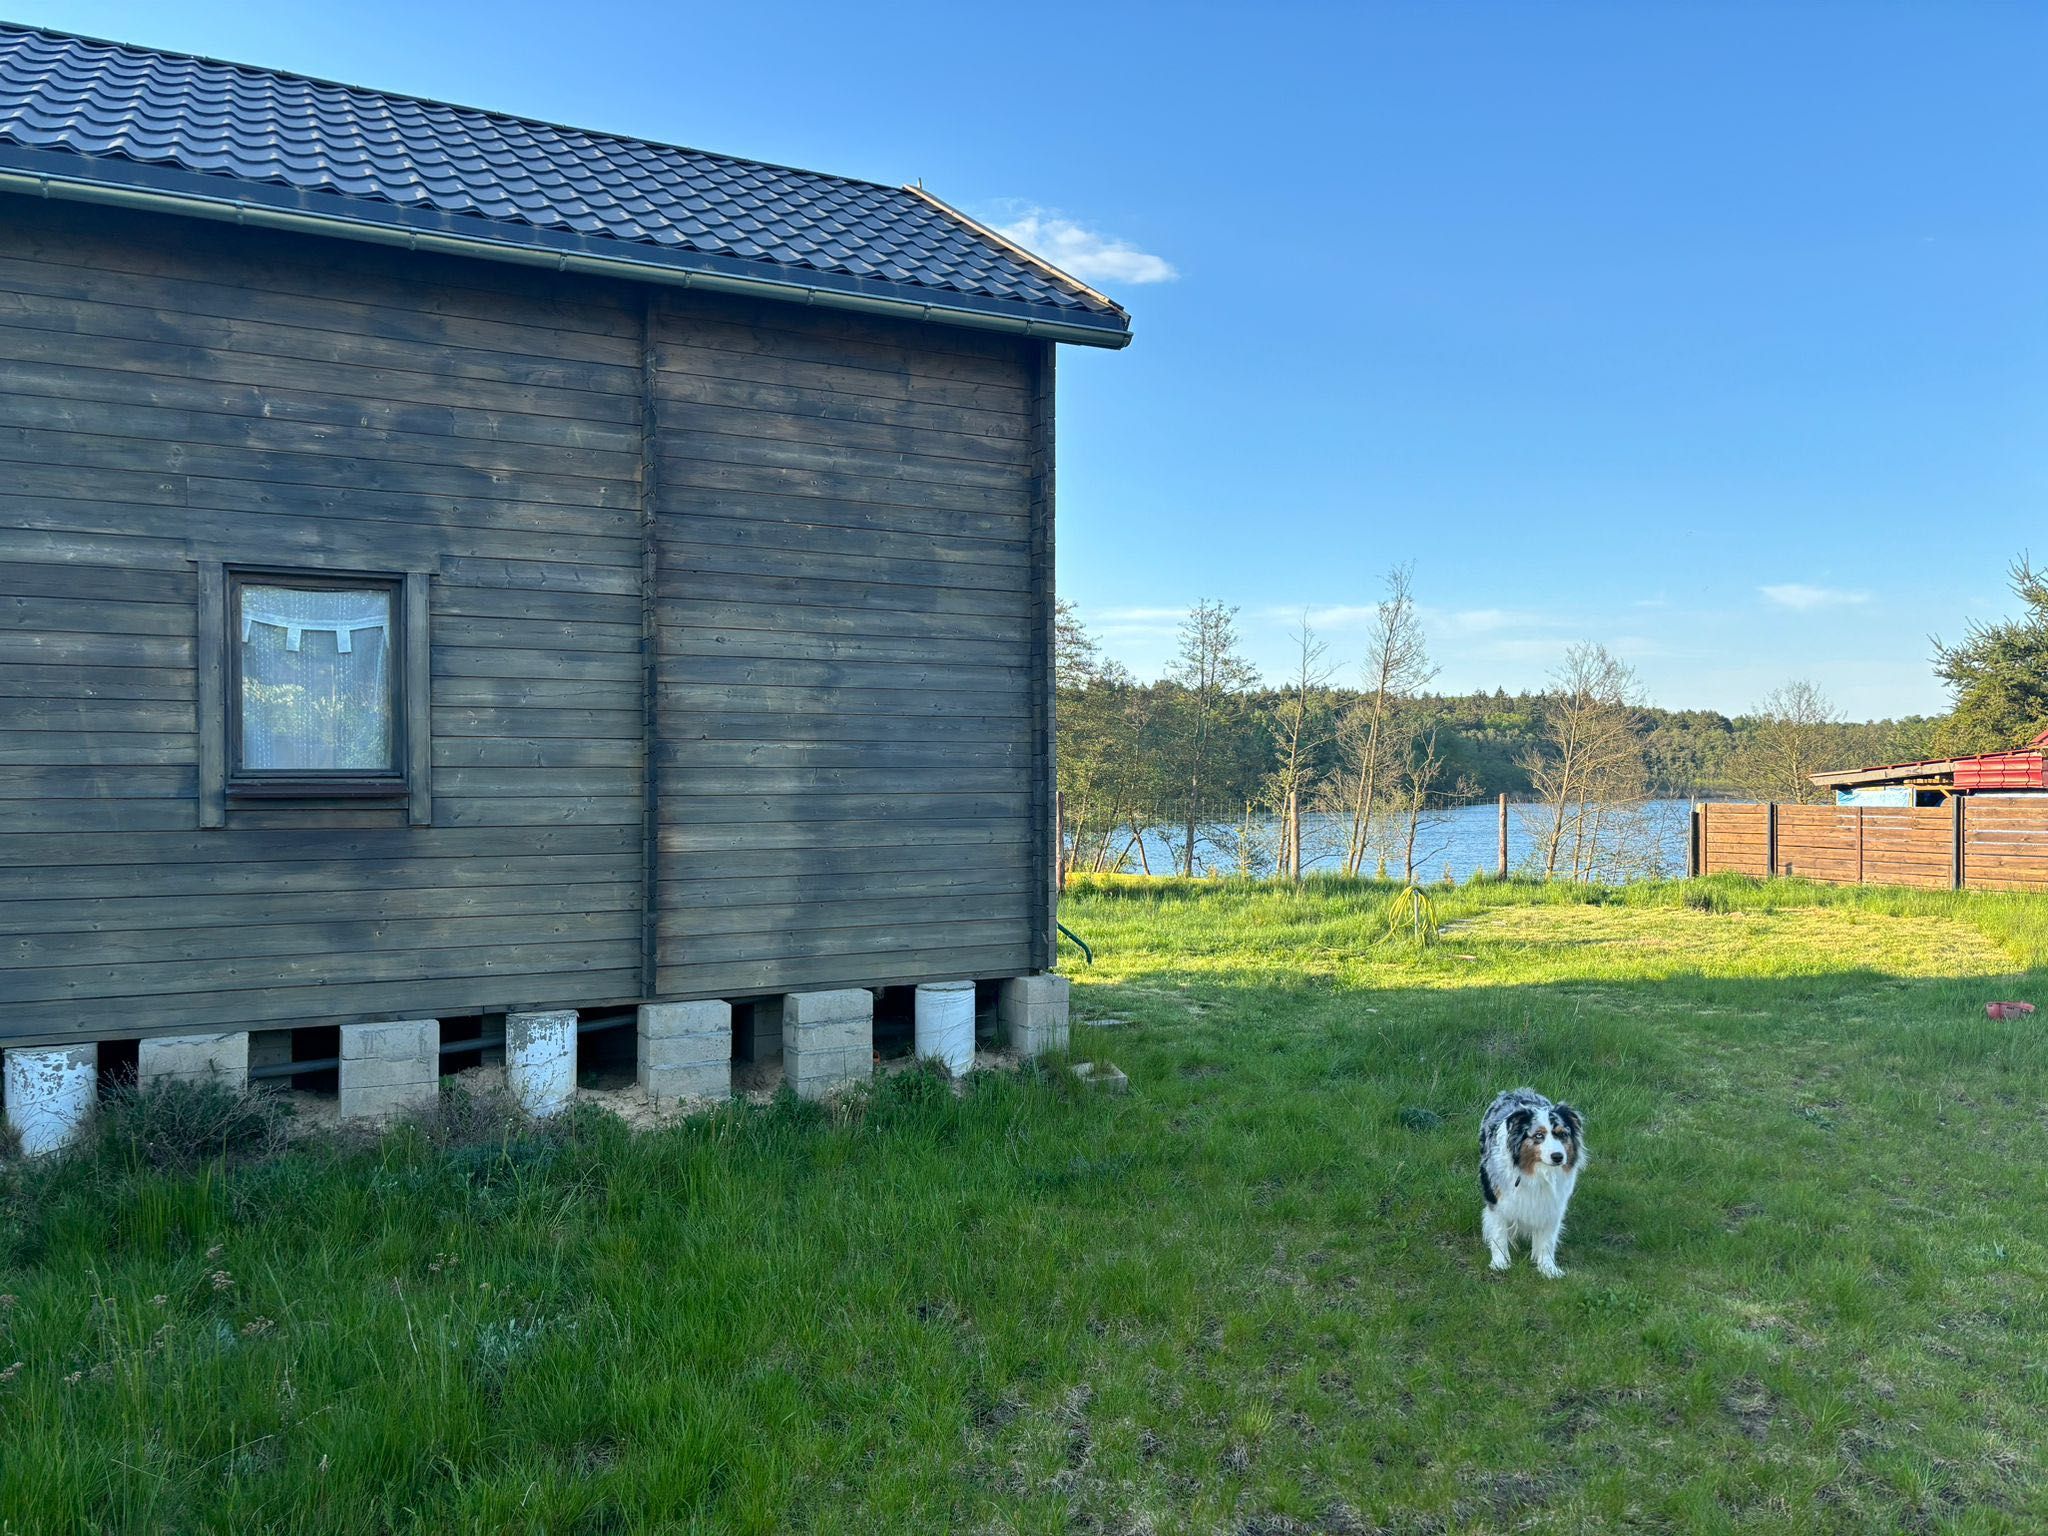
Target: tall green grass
<point>1805,1266</point>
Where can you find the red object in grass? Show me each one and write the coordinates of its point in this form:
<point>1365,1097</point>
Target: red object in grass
<point>2007,1010</point>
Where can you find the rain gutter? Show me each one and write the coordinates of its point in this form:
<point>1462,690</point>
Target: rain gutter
<point>122,184</point>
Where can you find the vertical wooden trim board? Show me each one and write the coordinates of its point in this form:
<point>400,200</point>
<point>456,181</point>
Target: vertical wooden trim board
<point>650,652</point>
<point>209,654</point>
<point>419,701</point>
<point>1955,852</point>
<point>1045,942</point>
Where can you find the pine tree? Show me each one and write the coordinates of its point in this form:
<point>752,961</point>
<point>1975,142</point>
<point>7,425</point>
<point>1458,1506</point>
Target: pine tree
<point>1998,675</point>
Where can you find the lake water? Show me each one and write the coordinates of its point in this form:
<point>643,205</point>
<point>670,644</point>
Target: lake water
<point>1465,838</point>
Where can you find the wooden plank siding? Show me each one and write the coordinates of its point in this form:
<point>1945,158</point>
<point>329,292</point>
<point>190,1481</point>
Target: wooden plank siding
<point>848,637</point>
<point>736,615</point>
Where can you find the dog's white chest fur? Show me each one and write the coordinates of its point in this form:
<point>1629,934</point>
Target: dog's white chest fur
<point>1536,1202</point>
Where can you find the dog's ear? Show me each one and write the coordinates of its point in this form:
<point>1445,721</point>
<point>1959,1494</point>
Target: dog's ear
<point>1573,1122</point>
<point>1518,1130</point>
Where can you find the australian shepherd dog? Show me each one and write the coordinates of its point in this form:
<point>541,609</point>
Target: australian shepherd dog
<point>1531,1153</point>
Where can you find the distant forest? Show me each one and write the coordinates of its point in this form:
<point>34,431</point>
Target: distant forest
<point>1487,741</point>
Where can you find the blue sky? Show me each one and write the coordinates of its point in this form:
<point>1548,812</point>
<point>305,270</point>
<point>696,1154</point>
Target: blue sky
<point>1714,332</point>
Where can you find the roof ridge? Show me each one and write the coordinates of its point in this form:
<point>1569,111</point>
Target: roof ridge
<point>31,30</point>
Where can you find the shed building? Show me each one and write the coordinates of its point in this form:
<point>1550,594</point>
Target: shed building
<point>457,567</point>
<point>1934,780</point>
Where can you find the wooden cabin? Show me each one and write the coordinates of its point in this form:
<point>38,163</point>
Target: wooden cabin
<point>457,566</point>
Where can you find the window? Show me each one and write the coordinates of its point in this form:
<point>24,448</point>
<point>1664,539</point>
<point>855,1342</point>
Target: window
<point>313,690</point>
<point>315,680</point>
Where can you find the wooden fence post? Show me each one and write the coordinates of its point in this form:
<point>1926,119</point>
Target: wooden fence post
<point>1700,832</point>
<point>1771,841</point>
<point>1859,845</point>
<point>1503,836</point>
<point>1955,853</point>
<point>1692,843</point>
<point>1292,836</point>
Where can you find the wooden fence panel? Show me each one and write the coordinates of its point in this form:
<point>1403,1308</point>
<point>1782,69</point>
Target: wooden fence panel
<point>2005,843</point>
<point>1735,839</point>
<point>1908,845</point>
<point>1980,842</point>
<point>1820,842</point>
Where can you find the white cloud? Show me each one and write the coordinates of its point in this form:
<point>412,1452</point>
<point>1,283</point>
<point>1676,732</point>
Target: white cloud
<point>1087,254</point>
<point>1802,598</point>
<point>1485,621</point>
<point>1340,616</point>
<point>1545,649</point>
<point>1490,621</point>
<point>1442,621</point>
<point>1126,623</point>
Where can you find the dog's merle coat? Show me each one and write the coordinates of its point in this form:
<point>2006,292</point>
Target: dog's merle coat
<point>1531,1153</point>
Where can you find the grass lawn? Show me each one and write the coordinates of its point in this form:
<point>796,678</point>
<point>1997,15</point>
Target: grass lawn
<point>1806,1288</point>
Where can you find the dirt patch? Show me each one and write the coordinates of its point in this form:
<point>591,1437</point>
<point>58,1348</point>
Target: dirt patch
<point>1752,1407</point>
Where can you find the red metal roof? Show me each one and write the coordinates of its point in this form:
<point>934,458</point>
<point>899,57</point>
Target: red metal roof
<point>2001,770</point>
<point>1981,771</point>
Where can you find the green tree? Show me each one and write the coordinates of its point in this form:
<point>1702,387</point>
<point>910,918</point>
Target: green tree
<point>1107,754</point>
<point>1998,674</point>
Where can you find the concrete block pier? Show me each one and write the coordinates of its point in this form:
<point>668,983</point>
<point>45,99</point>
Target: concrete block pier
<point>828,1040</point>
<point>223,1059</point>
<point>1032,1014</point>
<point>540,1060</point>
<point>50,1094</point>
<point>389,1070</point>
<point>685,1051</point>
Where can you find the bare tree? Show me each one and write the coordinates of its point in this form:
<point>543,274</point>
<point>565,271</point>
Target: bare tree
<point>1788,742</point>
<point>1589,763</point>
<point>1107,752</point>
<point>1300,726</point>
<point>1211,679</point>
<point>1397,666</point>
<point>1413,785</point>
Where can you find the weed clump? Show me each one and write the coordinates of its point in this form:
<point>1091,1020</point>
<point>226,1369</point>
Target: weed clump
<point>180,1123</point>
<point>462,1116</point>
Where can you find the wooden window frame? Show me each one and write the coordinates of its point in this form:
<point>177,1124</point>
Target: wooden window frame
<point>224,783</point>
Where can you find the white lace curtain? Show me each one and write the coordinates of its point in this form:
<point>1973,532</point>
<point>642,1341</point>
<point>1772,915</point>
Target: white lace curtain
<point>316,679</point>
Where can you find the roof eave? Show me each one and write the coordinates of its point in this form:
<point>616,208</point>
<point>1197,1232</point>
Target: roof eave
<point>1891,773</point>
<point>133,184</point>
